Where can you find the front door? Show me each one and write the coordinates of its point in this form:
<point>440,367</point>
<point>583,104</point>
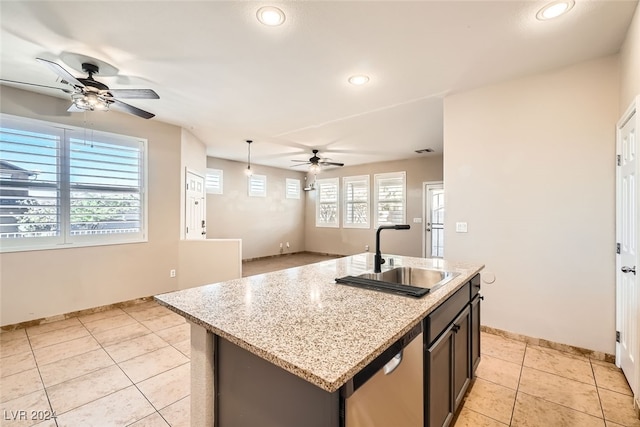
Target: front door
<point>195,207</point>
<point>434,220</point>
<point>627,298</point>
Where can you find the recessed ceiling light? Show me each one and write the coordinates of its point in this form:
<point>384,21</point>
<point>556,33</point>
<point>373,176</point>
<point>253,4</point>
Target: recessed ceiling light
<point>555,9</point>
<point>359,79</point>
<point>271,16</point>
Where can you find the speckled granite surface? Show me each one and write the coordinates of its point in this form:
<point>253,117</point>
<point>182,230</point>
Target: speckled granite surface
<point>301,320</point>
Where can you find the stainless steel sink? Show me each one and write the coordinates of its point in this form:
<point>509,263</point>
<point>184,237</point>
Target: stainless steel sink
<point>413,276</point>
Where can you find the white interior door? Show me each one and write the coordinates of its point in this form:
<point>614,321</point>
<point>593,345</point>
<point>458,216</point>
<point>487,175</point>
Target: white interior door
<point>627,298</point>
<point>434,220</point>
<point>195,207</point>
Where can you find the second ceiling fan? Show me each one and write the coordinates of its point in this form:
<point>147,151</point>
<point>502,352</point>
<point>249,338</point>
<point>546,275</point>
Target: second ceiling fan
<point>316,162</point>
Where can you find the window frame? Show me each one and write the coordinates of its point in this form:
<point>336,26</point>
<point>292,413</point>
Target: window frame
<point>254,177</point>
<point>345,203</point>
<point>211,172</point>
<point>319,184</point>
<point>376,180</point>
<point>65,187</point>
<point>298,187</point>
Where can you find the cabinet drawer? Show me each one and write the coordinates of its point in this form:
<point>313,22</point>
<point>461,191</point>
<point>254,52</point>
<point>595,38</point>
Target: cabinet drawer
<point>438,321</point>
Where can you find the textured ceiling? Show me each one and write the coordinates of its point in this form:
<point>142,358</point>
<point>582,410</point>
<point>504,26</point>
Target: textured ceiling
<point>227,78</point>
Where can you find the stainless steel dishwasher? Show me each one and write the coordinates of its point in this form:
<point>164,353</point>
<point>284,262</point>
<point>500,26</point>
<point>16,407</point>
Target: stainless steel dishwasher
<point>389,391</point>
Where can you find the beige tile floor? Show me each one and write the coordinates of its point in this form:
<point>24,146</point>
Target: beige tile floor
<point>130,367</point>
<point>529,386</point>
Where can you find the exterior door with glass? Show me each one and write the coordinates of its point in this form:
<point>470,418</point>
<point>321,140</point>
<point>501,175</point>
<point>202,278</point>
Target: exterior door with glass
<point>434,220</point>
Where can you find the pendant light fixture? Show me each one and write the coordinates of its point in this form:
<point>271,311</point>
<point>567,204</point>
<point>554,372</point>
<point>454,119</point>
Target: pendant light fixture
<point>248,170</point>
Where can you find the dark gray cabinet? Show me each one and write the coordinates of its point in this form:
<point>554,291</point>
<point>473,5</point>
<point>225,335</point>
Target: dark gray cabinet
<point>439,369</point>
<point>475,333</point>
<point>461,356</point>
<point>452,353</point>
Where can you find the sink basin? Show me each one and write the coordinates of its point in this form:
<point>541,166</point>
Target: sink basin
<point>408,281</point>
<point>419,277</point>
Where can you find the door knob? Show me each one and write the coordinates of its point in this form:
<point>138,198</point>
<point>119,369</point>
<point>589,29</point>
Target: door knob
<point>626,269</point>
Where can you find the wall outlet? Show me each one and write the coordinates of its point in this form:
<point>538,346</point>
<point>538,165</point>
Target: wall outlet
<point>172,273</point>
<point>366,248</point>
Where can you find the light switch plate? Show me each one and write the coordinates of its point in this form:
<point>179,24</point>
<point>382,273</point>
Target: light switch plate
<point>461,227</point>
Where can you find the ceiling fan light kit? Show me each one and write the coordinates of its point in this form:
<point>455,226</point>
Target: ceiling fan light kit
<point>89,102</point>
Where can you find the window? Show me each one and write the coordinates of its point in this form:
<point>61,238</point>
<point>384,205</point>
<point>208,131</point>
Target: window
<point>213,181</point>
<point>292,189</point>
<point>356,201</point>
<point>390,198</point>
<point>327,202</point>
<point>257,186</point>
<point>69,186</point>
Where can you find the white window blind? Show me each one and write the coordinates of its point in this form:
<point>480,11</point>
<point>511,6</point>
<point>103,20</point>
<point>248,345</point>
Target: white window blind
<point>292,188</point>
<point>257,186</point>
<point>105,186</point>
<point>327,202</point>
<point>62,187</point>
<point>390,198</point>
<point>214,181</point>
<point>356,201</point>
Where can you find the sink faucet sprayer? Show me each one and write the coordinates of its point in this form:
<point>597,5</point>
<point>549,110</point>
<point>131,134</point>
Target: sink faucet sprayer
<point>378,258</point>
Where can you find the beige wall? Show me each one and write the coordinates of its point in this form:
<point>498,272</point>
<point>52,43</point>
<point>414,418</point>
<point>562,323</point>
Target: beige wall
<point>630,64</point>
<point>261,222</point>
<point>346,241</point>
<point>529,165</point>
<point>44,283</point>
<point>209,261</point>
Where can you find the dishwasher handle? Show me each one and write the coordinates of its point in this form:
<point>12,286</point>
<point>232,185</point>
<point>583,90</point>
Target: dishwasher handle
<point>393,363</point>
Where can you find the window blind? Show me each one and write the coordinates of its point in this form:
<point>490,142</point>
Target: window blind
<point>390,198</point>
<point>59,189</point>
<point>356,201</point>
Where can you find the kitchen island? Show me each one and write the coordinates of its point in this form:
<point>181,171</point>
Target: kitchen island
<point>317,333</point>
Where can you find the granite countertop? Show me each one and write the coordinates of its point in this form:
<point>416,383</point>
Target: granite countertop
<point>301,320</point>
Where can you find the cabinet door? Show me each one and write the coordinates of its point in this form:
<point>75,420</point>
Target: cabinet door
<point>475,334</point>
<point>461,355</point>
<point>439,360</point>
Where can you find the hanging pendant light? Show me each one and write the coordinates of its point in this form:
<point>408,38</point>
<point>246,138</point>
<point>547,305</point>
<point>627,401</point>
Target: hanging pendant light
<point>248,170</point>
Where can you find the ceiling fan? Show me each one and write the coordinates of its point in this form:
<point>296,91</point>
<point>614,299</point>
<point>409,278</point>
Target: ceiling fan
<point>89,94</point>
<point>316,162</point>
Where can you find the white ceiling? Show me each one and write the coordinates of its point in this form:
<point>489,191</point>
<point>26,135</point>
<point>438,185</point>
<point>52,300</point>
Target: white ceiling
<point>227,78</point>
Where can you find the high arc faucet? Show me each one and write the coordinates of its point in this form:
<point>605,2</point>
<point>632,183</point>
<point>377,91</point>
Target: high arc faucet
<point>378,260</point>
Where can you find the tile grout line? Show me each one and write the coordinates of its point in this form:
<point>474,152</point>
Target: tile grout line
<point>54,416</point>
<point>513,410</point>
<point>598,391</point>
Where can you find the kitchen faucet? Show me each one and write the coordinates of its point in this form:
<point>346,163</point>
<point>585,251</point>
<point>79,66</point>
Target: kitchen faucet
<point>378,258</point>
